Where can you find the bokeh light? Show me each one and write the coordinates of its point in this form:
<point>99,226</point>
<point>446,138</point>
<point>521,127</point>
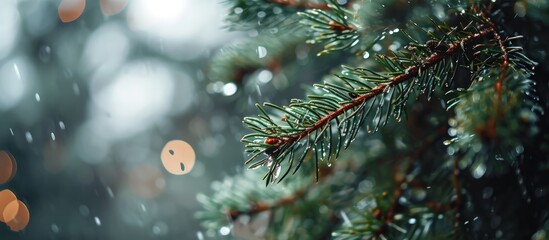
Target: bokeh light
<point>20,213</point>
<point>106,48</point>
<point>146,181</point>
<point>9,29</point>
<point>178,157</point>
<point>6,197</point>
<point>140,94</point>
<point>112,7</point>
<point>90,93</point>
<point>70,10</point>
<point>10,211</point>
<point>8,167</point>
<point>13,82</point>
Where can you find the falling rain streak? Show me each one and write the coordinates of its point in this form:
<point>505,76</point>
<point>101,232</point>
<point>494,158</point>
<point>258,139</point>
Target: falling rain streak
<point>17,73</point>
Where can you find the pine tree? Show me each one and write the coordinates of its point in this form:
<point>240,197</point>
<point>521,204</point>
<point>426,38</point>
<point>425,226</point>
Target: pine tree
<point>427,124</point>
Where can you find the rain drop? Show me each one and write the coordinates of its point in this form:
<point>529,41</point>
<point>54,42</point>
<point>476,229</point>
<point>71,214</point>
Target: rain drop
<point>200,235</point>
<point>479,170</point>
<point>37,96</point>
<point>277,171</point>
<point>229,89</point>
<point>224,230</point>
<point>265,76</point>
<point>44,53</point>
<point>97,221</point>
<point>452,132</point>
<point>244,219</point>
<point>419,194</point>
<point>109,191</point>
<point>261,14</point>
<point>52,136</point>
<point>17,73</point>
<point>499,234</point>
<point>269,162</point>
<point>487,192</point>
<point>407,70</point>
<point>28,136</point>
<point>519,149</point>
<point>62,125</point>
<point>377,47</point>
<point>403,201</point>
<point>261,51</point>
<point>156,230</point>
<point>11,131</point>
<point>84,210</point>
<point>54,228</point>
<point>160,228</point>
<point>75,89</point>
<point>412,221</point>
<point>238,10</point>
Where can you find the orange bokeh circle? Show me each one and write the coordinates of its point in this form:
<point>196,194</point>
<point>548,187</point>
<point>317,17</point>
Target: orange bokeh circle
<point>178,157</point>
<point>21,218</point>
<point>6,197</point>
<point>70,10</point>
<point>8,167</point>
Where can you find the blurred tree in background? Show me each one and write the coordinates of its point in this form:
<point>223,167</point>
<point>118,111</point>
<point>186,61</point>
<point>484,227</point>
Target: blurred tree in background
<point>425,120</point>
<point>90,92</point>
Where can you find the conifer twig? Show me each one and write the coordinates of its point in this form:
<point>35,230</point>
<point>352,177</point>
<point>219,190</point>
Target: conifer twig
<point>410,73</point>
<point>263,206</point>
<point>397,192</point>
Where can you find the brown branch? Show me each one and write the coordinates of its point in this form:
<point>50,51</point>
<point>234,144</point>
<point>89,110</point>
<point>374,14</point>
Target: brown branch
<point>262,206</point>
<point>259,207</point>
<point>411,72</point>
<point>307,4</point>
<point>491,125</point>
<point>397,192</point>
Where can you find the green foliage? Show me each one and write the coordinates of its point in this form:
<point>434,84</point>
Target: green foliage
<point>462,94</point>
<point>336,110</point>
<point>333,27</point>
<point>303,199</point>
<point>234,62</point>
<point>261,15</point>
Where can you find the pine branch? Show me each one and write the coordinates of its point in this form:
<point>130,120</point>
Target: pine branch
<point>263,15</point>
<point>333,26</point>
<point>389,218</point>
<point>297,195</point>
<point>346,105</point>
<point>241,197</point>
<point>237,61</point>
<point>496,116</point>
<point>400,182</point>
<point>502,115</point>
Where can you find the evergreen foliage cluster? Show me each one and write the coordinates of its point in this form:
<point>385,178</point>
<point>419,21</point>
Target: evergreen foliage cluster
<point>430,123</point>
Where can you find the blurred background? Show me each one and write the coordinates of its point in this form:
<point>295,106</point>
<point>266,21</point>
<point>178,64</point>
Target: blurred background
<point>91,91</point>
